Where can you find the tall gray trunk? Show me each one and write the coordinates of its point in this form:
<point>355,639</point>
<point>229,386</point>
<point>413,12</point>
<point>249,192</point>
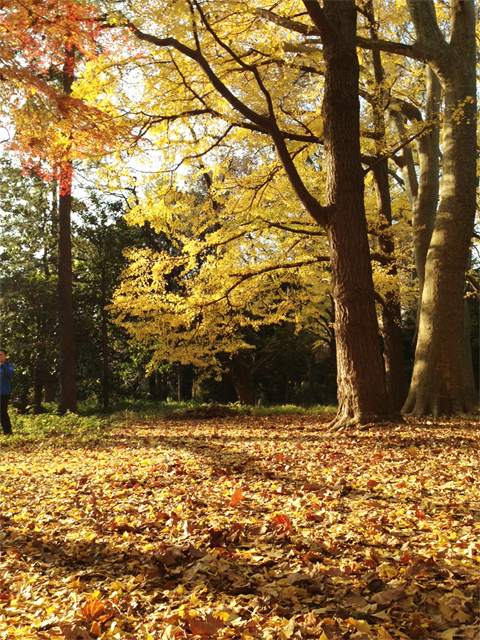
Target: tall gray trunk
<point>439,384</point>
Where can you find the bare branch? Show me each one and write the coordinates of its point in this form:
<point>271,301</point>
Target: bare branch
<point>291,25</point>
<point>414,51</point>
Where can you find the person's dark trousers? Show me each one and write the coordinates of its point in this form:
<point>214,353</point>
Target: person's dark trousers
<point>4,417</point>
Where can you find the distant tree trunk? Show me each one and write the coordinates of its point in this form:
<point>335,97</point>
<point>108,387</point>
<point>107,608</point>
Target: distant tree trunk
<point>49,389</point>
<point>471,388</point>
<point>38,382</point>
<point>179,383</point>
<point>287,387</point>
<point>393,352</point>
<point>105,358</point>
<point>240,374</point>
<point>422,190</point>
<point>68,384</point>
<point>362,392</point>
<point>68,389</point>
<point>439,385</point>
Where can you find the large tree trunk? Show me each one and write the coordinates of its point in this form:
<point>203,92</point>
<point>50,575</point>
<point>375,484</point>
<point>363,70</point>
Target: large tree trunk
<point>68,384</point>
<point>439,384</point>
<point>362,392</point>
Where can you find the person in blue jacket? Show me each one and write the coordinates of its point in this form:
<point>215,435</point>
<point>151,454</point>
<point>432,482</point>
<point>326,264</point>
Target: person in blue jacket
<point>6,373</point>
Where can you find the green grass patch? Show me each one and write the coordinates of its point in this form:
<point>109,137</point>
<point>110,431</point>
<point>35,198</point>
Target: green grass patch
<point>50,429</point>
<point>87,427</point>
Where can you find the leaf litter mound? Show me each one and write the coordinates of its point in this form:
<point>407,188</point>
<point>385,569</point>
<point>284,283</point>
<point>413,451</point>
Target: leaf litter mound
<point>242,527</point>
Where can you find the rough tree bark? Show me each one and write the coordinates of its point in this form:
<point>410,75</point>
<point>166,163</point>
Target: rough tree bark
<point>362,391</point>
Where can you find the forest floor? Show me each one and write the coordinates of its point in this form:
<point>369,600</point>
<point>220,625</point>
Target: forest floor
<point>241,527</point>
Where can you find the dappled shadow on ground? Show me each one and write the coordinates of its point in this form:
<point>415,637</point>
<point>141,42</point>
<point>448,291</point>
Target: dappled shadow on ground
<point>261,527</point>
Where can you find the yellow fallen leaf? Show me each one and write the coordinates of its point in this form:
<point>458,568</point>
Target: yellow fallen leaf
<point>288,629</point>
<point>363,626</point>
<point>449,634</point>
<point>461,616</point>
<point>446,611</point>
<point>222,615</point>
<point>96,629</point>
<point>383,615</point>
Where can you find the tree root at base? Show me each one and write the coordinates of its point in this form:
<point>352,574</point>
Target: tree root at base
<point>342,423</point>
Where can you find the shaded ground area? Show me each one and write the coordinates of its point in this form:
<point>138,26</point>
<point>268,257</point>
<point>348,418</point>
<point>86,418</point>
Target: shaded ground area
<point>242,527</point>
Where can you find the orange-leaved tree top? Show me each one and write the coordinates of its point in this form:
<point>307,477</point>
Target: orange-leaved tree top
<point>41,43</point>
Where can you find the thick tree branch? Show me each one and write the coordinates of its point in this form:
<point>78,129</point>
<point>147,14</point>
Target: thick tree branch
<point>371,162</point>
<point>291,25</point>
<point>414,51</point>
<point>291,229</point>
<point>317,16</point>
<point>263,122</point>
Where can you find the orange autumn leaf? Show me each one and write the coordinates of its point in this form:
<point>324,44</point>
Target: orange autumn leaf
<point>284,524</point>
<point>237,497</point>
<point>93,609</point>
<point>208,627</point>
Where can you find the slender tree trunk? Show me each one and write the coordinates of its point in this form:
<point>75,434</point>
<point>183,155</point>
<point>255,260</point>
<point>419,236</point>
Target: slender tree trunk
<point>422,190</point>
<point>426,202</point>
<point>179,383</point>
<point>393,352</point>
<point>49,390</point>
<point>438,383</point>
<point>68,384</point>
<point>362,392</point>
<point>68,389</point>
<point>38,382</point>
<point>105,358</point>
<point>469,376</point>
